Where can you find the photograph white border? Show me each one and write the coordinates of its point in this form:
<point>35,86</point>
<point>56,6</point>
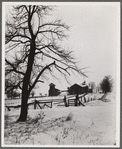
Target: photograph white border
<point>118,68</point>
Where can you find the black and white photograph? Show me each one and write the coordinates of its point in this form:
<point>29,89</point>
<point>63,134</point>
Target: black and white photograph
<point>60,74</point>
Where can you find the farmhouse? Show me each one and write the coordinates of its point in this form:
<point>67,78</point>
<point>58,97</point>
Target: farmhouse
<point>78,89</point>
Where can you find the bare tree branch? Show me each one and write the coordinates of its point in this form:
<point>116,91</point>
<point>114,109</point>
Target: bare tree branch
<point>45,68</point>
<point>14,68</point>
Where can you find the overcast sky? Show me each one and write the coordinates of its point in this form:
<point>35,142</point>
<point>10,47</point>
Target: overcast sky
<point>93,37</point>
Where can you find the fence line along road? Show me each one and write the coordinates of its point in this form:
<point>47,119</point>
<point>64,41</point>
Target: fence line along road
<point>49,101</point>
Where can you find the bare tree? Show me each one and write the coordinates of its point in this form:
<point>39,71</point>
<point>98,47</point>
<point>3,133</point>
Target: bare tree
<point>33,49</point>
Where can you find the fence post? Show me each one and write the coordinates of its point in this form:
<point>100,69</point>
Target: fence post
<point>68,103</point>
<point>51,104</point>
<point>76,100</point>
<point>81,98</point>
<point>88,99</point>
<point>35,104</point>
<point>65,103</point>
<point>84,99</point>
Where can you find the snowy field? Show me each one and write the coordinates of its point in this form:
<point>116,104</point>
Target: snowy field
<point>94,124</point>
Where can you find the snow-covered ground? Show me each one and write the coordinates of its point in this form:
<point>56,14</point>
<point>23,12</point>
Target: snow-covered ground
<point>94,124</point>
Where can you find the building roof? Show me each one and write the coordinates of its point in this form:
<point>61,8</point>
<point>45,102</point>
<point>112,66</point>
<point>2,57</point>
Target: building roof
<point>77,85</point>
<point>51,84</point>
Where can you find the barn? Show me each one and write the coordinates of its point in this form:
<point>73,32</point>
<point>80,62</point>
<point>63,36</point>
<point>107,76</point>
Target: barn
<point>78,89</point>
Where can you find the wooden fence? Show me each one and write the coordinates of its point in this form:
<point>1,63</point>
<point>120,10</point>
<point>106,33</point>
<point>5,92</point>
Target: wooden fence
<point>70,100</point>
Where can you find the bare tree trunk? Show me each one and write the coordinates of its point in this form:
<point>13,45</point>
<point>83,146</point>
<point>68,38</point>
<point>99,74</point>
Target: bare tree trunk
<point>24,107</point>
<point>25,90</point>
